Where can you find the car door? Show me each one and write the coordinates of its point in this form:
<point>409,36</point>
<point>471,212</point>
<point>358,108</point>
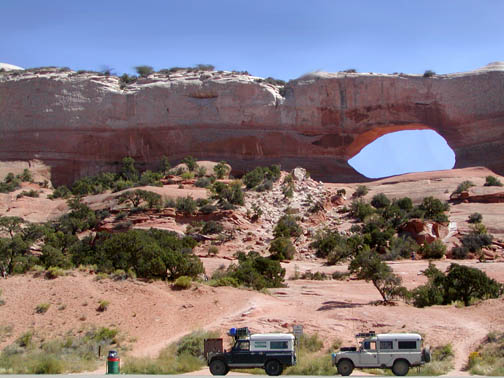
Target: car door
<point>368,356</point>
<point>240,354</point>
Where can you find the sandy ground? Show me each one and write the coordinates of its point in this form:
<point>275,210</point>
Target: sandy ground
<point>152,315</point>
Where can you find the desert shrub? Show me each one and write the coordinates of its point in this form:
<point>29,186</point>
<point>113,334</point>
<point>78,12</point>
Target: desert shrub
<point>187,175</point>
<point>317,276</point>
<point>459,253</point>
<point>368,265</point>
<point>340,275</point>
<point>265,186</point>
<point>144,71</point>
<point>488,359</point>
<point>203,182</point>
<point>182,283</point>
<point>287,226</point>
<point>224,281</point>
<point>492,181</point>
<point>221,170</point>
<point>404,203</point>
<point>150,254</point>
<point>213,250</point>
<point>464,186</point>
<point>212,227</point>
<point>361,191</point>
<point>10,183</point>
<point>208,209</point>
<point>260,174</point>
<point>434,250</point>
<point>434,209</point>
<point>230,194</point>
<point>459,283</point>
<point>103,306</point>
<point>380,201</point>
<point>400,247</point>
<point>429,73</point>
<point>186,205</point>
<point>150,178</point>
<point>190,163</point>
<point>475,218</point>
<point>282,248</point>
<point>474,241</point>
<point>80,218</point>
<point>137,196</point>
<point>312,364</point>
<point>310,343</point>
<point>42,308</point>
<point>360,209</point>
<point>256,271</point>
<point>181,357</point>
<point>30,193</point>
<point>60,192</point>
<point>54,272</point>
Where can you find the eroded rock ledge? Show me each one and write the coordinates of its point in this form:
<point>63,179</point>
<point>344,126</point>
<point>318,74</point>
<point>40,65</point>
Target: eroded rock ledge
<point>80,124</point>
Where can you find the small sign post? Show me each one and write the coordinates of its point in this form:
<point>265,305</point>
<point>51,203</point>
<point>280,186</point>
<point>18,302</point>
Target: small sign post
<point>297,330</point>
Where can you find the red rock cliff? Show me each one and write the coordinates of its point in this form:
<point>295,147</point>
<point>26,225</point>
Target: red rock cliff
<point>83,123</point>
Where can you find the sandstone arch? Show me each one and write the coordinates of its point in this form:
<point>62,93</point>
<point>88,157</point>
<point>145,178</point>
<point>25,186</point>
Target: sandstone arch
<point>83,123</point>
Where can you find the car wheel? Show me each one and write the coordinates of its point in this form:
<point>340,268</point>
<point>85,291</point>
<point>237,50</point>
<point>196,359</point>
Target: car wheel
<point>400,368</point>
<point>273,367</point>
<point>426,354</point>
<point>218,367</point>
<point>345,367</point>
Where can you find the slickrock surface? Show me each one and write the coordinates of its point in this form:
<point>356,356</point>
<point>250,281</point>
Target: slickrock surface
<point>83,123</point>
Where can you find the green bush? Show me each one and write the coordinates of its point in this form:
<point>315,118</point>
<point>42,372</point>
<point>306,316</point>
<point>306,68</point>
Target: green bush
<point>228,194</point>
<point>60,192</point>
<point>459,253</point>
<point>221,170</point>
<point>144,71</point>
<point>429,73</point>
<point>186,205</point>
<point>464,186</point>
<point>182,283</point>
<point>190,163</point>
<point>287,226</point>
<point>434,250</point>
<point>380,201</point>
<point>361,191</point>
<point>488,360</point>
<point>203,182</point>
<point>256,271</point>
<point>260,174</point>
<point>150,254</point>
<point>434,209</point>
<point>475,218</point>
<point>103,306</point>
<point>492,181</point>
<point>400,247</point>
<point>213,250</point>
<point>212,227</point>
<point>360,209</point>
<point>474,241</point>
<point>282,248</point>
<point>459,283</point>
<point>42,308</point>
<point>310,343</point>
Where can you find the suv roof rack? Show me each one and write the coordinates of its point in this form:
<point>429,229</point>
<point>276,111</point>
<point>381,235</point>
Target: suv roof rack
<point>366,334</point>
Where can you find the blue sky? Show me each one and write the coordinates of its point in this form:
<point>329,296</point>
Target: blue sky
<point>280,38</point>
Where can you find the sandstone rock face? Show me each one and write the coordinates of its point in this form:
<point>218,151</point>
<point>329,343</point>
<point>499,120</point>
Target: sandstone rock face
<point>80,124</point>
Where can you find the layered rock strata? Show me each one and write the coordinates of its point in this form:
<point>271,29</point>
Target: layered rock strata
<point>82,123</point>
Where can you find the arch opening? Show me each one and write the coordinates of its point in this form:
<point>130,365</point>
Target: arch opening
<point>402,152</point>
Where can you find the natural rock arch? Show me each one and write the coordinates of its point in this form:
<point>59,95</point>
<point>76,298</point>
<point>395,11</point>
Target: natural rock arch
<point>81,124</point>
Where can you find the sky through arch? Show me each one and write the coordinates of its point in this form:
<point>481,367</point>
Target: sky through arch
<point>404,152</point>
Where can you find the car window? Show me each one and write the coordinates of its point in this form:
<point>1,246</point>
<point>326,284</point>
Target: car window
<point>369,345</point>
<point>243,345</point>
<point>260,344</point>
<point>407,345</point>
<point>385,345</point>
<point>279,344</point>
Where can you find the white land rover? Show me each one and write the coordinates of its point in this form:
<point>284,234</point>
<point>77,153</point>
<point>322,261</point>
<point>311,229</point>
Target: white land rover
<point>398,351</point>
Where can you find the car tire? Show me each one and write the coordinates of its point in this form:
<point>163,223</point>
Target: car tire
<point>273,367</point>
<point>400,368</point>
<point>426,354</point>
<point>218,367</point>
<point>345,367</point>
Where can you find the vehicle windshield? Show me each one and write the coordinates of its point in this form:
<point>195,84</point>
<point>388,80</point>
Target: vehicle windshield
<point>242,345</point>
